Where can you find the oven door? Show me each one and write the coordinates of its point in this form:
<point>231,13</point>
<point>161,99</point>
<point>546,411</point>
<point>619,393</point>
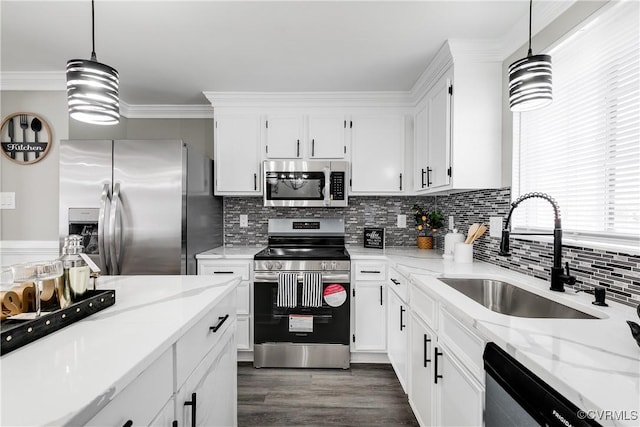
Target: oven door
<point>327,324</point>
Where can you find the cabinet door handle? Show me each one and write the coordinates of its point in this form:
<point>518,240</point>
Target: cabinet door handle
<point>429,170</point>
<point>192,403</point>
<point>313,147</point>
<point>255,181</point>
<point>221,321</point>
<point>402,310</point>
<point>395,282</point>
<point>424,173</point>
<point>380,294</point>
<point>174,423</point>
<point>435,367</point>
<point>400,182</point>
<point>129,423</point>
<point>426,340</point>
<point>369,272</point>
<point>298,148</point>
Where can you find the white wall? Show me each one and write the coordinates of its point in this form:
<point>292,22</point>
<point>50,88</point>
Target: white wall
<point>32,228</point>
<point>35,185</point>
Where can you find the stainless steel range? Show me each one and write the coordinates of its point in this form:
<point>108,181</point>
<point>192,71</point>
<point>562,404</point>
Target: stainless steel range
<point>302,295</point>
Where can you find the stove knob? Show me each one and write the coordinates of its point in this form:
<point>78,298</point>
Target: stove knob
<point>334,265</point>
<point>323,265</point>
<point>278,265</point>
<point>269,265</point>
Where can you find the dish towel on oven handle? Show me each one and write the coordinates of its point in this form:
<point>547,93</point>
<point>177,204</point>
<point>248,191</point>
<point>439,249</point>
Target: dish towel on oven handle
<point>312,290</point>
<point>287,290</point>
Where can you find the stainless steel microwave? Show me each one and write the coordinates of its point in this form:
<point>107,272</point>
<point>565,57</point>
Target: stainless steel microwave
<point>312,183</point>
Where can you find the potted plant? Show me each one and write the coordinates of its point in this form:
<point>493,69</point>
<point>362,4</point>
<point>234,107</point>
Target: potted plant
<point>427,222</point>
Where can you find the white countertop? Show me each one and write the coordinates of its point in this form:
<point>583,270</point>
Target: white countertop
<point>57,377</point>
<point>236,252</point>
<point>594,363</point>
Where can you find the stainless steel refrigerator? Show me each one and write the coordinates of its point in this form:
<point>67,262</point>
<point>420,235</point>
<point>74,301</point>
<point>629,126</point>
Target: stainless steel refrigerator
<point>142,206</point>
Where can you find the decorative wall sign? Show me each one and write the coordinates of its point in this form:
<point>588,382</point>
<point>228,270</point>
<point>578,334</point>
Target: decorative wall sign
<point>374,238</point>
<point>25,138</point>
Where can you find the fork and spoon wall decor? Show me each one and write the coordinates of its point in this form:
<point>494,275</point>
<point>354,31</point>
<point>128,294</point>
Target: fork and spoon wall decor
<point>34,142</point>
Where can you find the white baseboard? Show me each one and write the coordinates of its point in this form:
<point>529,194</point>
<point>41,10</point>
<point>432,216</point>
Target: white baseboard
<point>17,251</point>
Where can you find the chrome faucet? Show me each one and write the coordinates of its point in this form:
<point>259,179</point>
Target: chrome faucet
<point>558,275</point>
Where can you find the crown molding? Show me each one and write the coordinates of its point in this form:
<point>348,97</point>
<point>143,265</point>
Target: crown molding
<point>309,99</point>
<point>33,80</point>
<point>166,111</point>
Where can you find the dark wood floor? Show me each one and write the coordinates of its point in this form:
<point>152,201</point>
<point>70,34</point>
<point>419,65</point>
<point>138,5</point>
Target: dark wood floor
<point>365,395</point>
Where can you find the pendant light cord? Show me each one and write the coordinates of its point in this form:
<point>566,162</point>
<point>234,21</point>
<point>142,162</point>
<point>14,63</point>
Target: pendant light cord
<point>529,53</point>
<point>93,34</point>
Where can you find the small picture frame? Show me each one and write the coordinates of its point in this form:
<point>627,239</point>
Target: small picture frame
<point>374,237</point>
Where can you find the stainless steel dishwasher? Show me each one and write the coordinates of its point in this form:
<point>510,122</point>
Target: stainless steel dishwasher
<point>515,396</point>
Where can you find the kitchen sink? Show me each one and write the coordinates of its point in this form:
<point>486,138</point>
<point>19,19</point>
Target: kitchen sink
<point>505,298</point>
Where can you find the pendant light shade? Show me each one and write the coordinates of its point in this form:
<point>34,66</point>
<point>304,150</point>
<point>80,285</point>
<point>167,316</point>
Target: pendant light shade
<point>530,85</point>
<point>92,88</point>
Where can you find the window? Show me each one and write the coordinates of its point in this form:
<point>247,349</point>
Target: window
<point>584,149</point>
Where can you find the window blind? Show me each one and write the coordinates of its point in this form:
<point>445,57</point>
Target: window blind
<point>584,149</point>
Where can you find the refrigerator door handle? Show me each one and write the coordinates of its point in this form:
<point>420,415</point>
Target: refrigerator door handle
<point>115,243</point>
<point>103,240</point>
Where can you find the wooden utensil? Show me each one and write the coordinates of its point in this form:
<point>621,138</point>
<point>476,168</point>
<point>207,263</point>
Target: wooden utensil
<point>479,232</point>
<point>472,230</point>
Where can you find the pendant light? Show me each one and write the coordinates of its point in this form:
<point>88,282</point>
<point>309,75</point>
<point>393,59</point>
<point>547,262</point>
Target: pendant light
<point>530,80</point>
<point>92,88</point>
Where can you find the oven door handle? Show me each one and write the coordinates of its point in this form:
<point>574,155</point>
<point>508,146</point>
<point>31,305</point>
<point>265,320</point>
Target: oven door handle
<point>272,277</point>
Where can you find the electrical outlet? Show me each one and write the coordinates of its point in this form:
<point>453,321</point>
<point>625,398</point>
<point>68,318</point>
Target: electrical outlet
<point>495,226</point>
<point>402,221</point>
<point>244,221</point>
<point>7,200</point>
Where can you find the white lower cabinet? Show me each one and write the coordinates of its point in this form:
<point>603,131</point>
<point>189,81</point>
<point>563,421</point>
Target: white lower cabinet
<point>244,311</point>
<point>370,325</point>
<point>142,399</point>
<point>397,340</point>
<point>208,397</point>
<point>167,415</point>
<point>445,386</point>
<point>421,385</point>
<point>459,396</point>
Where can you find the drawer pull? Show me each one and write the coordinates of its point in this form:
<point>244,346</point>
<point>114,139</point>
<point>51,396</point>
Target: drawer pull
<point>129,423</point>
<point>192,403</point>
<point>369,272</point>
<point>395,282</point>
<point>221,321</point>
<point>435,367</point>
<point>174,423</point>
<point>426,340</point>
<point>223,272</point>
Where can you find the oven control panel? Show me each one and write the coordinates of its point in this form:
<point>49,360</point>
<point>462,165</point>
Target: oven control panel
<point>302,265</point>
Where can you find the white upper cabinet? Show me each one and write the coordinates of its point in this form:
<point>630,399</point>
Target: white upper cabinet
<point>327,137</point>
<point>377,154</point>
<point>458,133</point>
<point>284,137</point>
<point>238,156</point>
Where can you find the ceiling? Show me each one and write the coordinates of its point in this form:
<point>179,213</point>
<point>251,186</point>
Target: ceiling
<point>169,52</point>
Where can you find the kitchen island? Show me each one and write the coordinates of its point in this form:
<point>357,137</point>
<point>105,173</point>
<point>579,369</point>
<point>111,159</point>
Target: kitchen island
<point>132,361</point>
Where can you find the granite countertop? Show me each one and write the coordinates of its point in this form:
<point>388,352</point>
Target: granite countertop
<point>56,378</point>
